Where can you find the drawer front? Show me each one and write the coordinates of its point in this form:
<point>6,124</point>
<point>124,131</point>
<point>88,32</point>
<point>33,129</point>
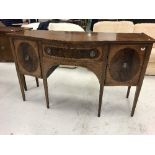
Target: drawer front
<point>88,53</point>
<point>72,53</point>
<point>125,64</point>
<point>5,49</point>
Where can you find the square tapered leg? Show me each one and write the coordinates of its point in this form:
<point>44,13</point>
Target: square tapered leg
<point>100,100</point>
<point>128,91</point>
<point>46,91</point>
<point>138,88</point>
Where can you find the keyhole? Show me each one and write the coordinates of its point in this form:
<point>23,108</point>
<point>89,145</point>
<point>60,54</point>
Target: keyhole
<point>27,58</point>
<point>2,47</point>
<point>48,50</point>
<point>92,54</point>
<point>124,65</point>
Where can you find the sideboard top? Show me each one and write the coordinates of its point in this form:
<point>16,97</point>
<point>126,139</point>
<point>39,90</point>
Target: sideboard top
<point>84,36</point>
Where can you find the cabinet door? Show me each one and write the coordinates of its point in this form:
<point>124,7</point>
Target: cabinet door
<point>124,64</point>
<point>5,49</point>
<point>27,57</point>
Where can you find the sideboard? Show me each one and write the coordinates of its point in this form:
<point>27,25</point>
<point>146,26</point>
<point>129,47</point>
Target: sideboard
<point>117,59</point>
<point>5,48</point>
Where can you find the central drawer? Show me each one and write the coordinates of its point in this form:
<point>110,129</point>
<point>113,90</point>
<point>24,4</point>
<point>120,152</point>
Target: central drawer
<point>72,52</point>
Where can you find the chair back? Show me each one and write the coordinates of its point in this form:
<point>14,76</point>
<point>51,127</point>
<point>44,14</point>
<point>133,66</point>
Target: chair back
<point>114,27</point>
<point>147,28</point>
<point>64,27</point>
<point>34,26</point>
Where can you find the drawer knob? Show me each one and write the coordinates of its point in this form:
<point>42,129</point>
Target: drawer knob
<point>2,47</point>
<point>143,48</point>
<point>125,65</point>
<point>48,50</point>
<point>92,54</point>
<point>27,58</point>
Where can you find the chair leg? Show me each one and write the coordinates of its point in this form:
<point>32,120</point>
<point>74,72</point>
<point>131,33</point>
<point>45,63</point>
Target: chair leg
<point>100,100</point>
<point>46,91</point>
<point>128,91</point>
<point>138,88</point>
<point>37,81</point>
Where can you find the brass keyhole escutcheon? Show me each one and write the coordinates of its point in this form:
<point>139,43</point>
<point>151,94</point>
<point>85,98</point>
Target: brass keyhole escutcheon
<point>92,54</point>
<point>48,50</point>
<point>125,65</point>
<point>2,47</point>
<point>143,48</point>
<point>27,58</point>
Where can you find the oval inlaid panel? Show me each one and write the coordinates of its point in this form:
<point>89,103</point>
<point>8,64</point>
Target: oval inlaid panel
<point>124,65</point>
<point>27,57</point>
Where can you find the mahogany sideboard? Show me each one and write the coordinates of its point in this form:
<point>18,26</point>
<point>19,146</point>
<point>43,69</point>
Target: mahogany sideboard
<point>117,59</point>
<point>5,48</point>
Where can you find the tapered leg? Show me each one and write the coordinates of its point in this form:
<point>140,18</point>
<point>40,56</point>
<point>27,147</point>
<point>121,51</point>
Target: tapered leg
<point>37,81</point>
<point>20,78</point>
<point>128,91</point>
<point>46,91</point>
<point>138,88</point>
<point>100,100</point>
<point>24,82</point>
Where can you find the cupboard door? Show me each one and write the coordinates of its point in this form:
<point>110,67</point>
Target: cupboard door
<point>124,64</point>
<point>27,57</point>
